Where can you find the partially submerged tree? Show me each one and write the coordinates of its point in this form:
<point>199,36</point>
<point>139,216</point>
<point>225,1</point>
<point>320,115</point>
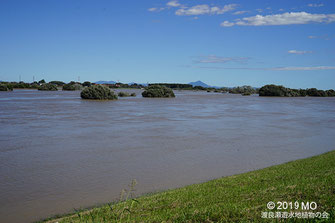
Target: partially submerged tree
<point>87,84</point>
<point>280,91</point>
<point>157,91</point>
<point>47,87</point>
<point>72,87</point>
<point>98,92</point>
<point>58,83</point>
<point>4,87</point>
<point>123,94</point>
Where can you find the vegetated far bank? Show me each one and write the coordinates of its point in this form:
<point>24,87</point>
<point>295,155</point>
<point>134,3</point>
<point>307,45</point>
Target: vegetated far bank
<point>281,91</point>
<point>238,198</point>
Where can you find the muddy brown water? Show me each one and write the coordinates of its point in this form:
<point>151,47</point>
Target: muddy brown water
<point>58,152</point>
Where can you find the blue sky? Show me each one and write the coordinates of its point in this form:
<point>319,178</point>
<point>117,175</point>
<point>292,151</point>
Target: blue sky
<point>221,42</point>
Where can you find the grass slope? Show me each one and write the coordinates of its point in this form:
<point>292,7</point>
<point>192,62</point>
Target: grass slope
<point>239,198</point>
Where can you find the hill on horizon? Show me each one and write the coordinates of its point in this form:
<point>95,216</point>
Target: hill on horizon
<point>199,83</point>
<point>105,82</point>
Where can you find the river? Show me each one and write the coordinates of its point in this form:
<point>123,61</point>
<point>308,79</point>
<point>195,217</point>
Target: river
<point>58,152</point>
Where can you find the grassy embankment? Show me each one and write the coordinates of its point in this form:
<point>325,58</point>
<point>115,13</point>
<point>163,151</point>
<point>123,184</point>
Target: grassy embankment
<point>238,198</point>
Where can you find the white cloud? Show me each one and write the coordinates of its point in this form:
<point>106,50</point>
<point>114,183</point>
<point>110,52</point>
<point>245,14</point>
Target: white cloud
<point>303,68</point>
<point>205,9</point>
<point>298,52</point>
<point>155,9</point>
<point>315,5</point>
<point>287,18</point>
<point>227,24</point>
<point>218,59</point>
<point>272,68</point>
<point>240,12</point>
<point>324,37</point>
<point>173,4</point>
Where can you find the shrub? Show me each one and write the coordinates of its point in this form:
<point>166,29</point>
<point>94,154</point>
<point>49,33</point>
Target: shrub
<point>58,83</point>
<point>47,87</point>
<point>72,87</point>
<point>313,92</point>
<point>330,93</point>
<point>242,90</point>
<point>273,90</point>
<point>4,87</point>
<point>98,92</point>
<point>246,94</point>
<point>157,91</point>
<point>133,95</point>
<point>87,84</point>
<point>123,94</point>
<point>302,92</point>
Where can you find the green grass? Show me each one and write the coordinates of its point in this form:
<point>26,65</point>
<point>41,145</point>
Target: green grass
<point>238,198</point>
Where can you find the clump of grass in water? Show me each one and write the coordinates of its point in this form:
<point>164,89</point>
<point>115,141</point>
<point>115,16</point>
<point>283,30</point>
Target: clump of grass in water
<point>120,211</point>
<point>125,196</point>
<point>123,94</point>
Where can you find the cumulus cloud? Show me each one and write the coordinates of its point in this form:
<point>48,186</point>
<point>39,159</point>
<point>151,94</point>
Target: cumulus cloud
<point>240,12</point>
<point>288,18</point>
<point>155,9</point>
<point>227,24</point>
<point>298,52</point>
<point>315,5</point>
<point>218,59</point>
<point>205,9</point>
<point>173,4</point>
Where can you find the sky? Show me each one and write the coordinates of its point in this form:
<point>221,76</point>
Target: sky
<point>220,42</point>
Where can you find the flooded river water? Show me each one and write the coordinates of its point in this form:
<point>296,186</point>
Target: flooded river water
<point>58,152</point>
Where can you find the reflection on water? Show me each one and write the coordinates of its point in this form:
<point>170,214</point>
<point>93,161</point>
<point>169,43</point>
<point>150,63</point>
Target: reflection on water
<point>58,152</point>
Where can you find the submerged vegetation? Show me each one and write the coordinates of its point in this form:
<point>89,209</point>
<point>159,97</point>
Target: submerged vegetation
<point>4,87</point>
<point>47,87</point>
<point>244,90</point>
<point>281,91</point>
<point>72,86</point>
<point>98,92</point>
<point>126,94</point>
<point>238,198</point>
<point>158,91</point>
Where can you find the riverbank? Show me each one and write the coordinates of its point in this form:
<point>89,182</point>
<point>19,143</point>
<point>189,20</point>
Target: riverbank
<point>235,198</point>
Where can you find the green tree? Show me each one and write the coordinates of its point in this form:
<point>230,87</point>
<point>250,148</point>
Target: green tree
<point>98,92</point>
<point>157,91</point>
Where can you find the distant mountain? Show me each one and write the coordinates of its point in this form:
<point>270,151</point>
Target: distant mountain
<point>105,82</point>
<point>138,83</point>
<point>113,82</point>
<point>199,83</point>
